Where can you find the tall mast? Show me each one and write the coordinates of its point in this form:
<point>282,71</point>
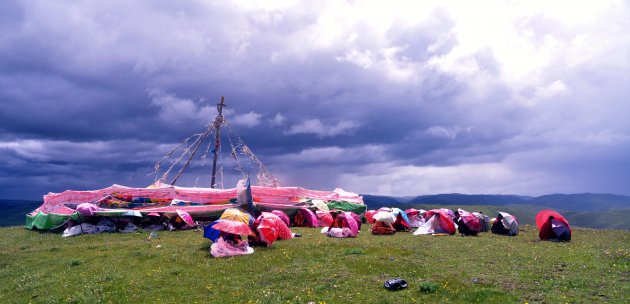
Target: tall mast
<point>217,141</point>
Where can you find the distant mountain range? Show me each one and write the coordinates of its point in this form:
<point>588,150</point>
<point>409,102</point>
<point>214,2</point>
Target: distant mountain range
<point>13,212</point>
<point>566,202</point>
<point>584,210</point>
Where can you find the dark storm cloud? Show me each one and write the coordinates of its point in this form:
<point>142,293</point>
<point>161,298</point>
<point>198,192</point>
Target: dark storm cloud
<point>381,101</point>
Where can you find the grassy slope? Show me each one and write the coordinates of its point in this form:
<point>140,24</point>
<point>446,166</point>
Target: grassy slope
<point>45,268</point>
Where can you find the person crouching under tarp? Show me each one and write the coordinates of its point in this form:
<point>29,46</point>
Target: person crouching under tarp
<point>383,223</point>
<point>345,224</point>
<point>467,223</point>
<point>505,224</point>
<point>553,226</point>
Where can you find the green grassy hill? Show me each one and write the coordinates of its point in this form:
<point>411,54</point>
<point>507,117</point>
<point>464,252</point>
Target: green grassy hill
<point>526,214</point>
<point>126,268</point>
<point>13,212</point>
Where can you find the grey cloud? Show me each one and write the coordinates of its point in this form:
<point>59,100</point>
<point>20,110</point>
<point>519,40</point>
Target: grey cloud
<point>108,88</point>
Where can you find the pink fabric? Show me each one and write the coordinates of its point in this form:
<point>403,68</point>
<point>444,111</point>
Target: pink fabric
<point>286,196</point>
<point>87,209</point>
<point>223,248</point>
<point>446,221</point>
<point>470,220</point>
<point>283,216</point>
<point>324,219</point>
<point>352,223</point>
<point>310,219</point>
<point>186,217</point>
<point>369,216</point>
<point>284,232</point>
<point>266,229</point>
<point>157,199</point>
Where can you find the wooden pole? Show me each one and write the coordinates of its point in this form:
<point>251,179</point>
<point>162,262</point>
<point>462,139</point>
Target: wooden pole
<point>217,141</point>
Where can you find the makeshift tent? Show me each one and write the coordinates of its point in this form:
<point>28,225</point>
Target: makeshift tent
<point>484,221</point>
<point>233,227</point>
<point>505,224</point>
<point>402,221</point>
<point>345,224</point>
<point>553,226</point>
<point>186,218</point>
<point>305,218</point>
<point>439,222</point>
<point>415,217</point>
<point>448,212</point>
<point>467,223</point>
<point>283,216</point>
<point>324,219</point>
<point>382,228</point>
<point>369,216</point>
<point>167,199</point>
<point>383,223</point>
<point>266,230</point>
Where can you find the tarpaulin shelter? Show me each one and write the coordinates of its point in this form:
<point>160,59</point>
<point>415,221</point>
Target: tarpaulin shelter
<point>305,218</point>
<point>467,223</point>
<point>283,216</point>
<point>369,216</point>
<point>186,218</point>
<point>415,216</point>
<point>439,222</point>
<point>269,227</point>
<point>484,221</point>
<point>167,199</point>
<point>505,224</point>
<point>324,218</point>
<point>552,225</point>
<point>382,228</point>
<point>383,220</point>
<point>345,224</point>
<point>233,227</point>
<point>402,221</point>
<point>266,230</point>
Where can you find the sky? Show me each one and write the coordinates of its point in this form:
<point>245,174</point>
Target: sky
<point>394,98</point>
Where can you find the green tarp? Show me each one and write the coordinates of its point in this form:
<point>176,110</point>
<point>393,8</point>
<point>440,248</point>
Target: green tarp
<point>45,221</point>
<point>345,206</point>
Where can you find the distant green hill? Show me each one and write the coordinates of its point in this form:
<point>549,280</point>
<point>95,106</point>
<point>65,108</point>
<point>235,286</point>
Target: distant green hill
<point>13,212</point>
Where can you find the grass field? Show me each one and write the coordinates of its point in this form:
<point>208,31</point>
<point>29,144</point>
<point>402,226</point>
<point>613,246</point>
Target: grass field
<point>126,268</point>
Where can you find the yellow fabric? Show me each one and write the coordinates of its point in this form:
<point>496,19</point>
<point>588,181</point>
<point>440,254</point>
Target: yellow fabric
<point>321,205</point>
<point>235,215</point>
